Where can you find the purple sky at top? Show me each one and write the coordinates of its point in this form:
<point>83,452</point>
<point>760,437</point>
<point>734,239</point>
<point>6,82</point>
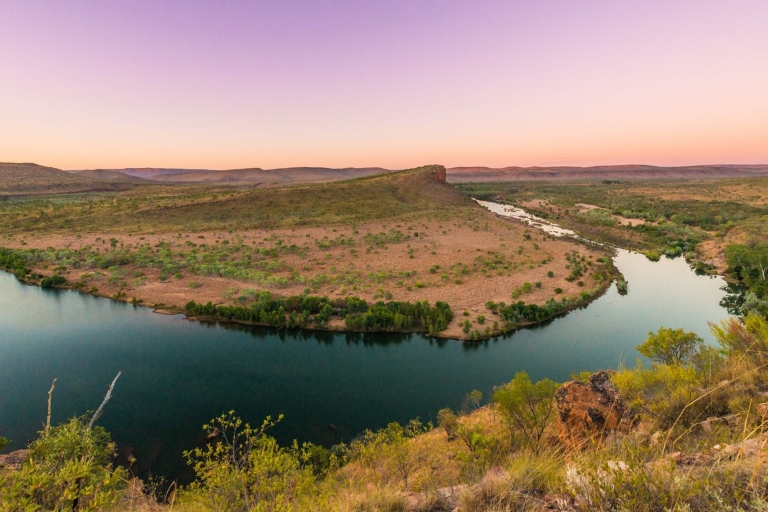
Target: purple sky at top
<point>223,84</point>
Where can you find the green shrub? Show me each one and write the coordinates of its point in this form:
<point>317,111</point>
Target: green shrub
<point>670,346</point>
<point>69,468</point>
<point>652,255</point>
<point>526,408</point>
<point>245,469</point>
<point>53,281</point>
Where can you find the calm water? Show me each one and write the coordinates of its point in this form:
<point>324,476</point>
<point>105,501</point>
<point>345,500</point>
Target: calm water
<point>178,374</point>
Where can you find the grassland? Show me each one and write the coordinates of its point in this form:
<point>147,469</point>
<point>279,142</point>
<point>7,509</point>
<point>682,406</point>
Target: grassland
<point>34,180</point>
<point>697,217</point>
<point>404,236</point>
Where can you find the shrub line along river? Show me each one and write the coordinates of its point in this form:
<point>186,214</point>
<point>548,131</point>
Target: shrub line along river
<point>179,374</point>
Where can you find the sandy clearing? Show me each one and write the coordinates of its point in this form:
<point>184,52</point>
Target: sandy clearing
<point>439,243</point>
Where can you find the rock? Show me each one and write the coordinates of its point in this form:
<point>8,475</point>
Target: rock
<point>732,420</point>
<point>588,410</point>
<point>617,465</point>
<point>446,498</point>
<point>559,502</point>
<point>745,449</point>
<point>762,411</point>
<point>439,174</point>
<point>14,460</point>
<point>693,459</point>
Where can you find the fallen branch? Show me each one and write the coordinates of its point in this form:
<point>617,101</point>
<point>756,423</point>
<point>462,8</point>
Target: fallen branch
<point>48,419</point>
<point>106,399</point>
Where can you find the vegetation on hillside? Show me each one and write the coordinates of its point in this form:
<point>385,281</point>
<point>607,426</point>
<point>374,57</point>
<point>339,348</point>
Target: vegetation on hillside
<point>698,444</point>
<point>158,208</point>
<point>308,310</point>
<point>670,218</point>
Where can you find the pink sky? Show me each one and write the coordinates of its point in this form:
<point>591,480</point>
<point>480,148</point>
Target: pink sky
<point>223,84</point>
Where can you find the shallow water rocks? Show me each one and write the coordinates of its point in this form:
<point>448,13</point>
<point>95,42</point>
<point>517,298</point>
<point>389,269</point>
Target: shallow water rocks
<point>590,409</point>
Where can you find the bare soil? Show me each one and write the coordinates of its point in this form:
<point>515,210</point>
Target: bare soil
<point>436,245</point>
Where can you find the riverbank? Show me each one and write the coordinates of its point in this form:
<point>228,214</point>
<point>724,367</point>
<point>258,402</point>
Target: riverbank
<point>467,263</point>
<point>494,323</point>
<point>177,374</point>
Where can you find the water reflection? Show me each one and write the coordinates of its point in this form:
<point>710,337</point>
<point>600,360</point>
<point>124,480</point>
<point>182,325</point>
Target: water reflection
<point>178,374</point>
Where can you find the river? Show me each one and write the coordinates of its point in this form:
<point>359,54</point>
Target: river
<point>178,374</point>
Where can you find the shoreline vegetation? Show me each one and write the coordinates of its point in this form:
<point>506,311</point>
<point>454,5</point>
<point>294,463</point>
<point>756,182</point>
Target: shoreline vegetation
<point>350,314</point>
<point>720,226</point>
<point>686,432</point>
<point>389,242</point>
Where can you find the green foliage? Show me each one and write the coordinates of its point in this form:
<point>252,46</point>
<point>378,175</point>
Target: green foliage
<point>652,255</point>
<point>750,263</point>
<point>673,227</point>
<point>448,421</point>
<point>748,339</point>
<point>670,346</point>
<point>754,305</point>
<point>520,312</point>
<point>245,469</point>
<point>472,400</point>
<point>526,408</point>
<point>13,261</point>
<point>389,451</point>
<point>53,281</point>
<point>399,316</point>
<point>3,443</point>
<point>661,392</point>
<point>304,310</point>
<point>69,468</point>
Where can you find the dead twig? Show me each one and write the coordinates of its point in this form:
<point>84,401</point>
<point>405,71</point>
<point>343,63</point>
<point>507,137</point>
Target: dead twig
<point>106,399</point>
<point>48,419</point>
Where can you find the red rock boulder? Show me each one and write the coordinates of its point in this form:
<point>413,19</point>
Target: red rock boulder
<point>589,410</point>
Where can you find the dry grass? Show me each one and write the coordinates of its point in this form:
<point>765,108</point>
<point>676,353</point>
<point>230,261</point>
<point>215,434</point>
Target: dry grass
<point>405,236</point>
<point>32,179</point>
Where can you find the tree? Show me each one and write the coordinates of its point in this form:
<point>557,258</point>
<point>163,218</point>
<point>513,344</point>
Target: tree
<point>472,399</point>
<point>670,346</point>
<point>245,469</point>
<point>391,450</point>
<point>751,262</point>
<point>526,407</point>
<point>69,468</point>
<point>448,420</point>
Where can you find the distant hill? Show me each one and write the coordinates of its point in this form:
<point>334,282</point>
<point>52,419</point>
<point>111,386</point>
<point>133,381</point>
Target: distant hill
<point>357,200</point>
<point>603,172</point>
<point>250,176</point>
<point>152,172</point>
<point>107,175</point>
<point>32,179</point>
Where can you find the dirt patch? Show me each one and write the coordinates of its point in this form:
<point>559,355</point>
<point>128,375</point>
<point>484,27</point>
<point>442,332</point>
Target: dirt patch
<point>624,221</point>
<point>465,262</point>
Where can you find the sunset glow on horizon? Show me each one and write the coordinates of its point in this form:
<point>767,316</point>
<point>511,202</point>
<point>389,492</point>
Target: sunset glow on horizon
<point>396,84</point>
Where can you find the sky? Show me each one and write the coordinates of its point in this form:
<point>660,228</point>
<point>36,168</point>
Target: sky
<point>397,83</point>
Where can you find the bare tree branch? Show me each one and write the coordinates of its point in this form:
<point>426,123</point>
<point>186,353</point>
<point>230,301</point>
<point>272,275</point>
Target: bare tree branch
<point>106,399</point>
<point>48,419</point>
